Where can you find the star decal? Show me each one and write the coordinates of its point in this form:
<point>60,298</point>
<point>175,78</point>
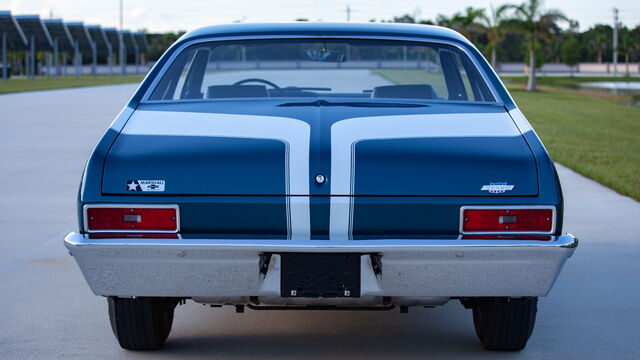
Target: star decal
<point>132,185</point>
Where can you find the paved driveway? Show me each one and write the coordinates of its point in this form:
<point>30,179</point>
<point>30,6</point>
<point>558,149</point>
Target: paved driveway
<point>48,311</point>
<point>337,80</point>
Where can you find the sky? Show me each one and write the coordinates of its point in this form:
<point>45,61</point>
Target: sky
<point>174,15</point>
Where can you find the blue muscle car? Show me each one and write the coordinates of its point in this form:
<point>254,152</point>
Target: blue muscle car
<point>321,166</point>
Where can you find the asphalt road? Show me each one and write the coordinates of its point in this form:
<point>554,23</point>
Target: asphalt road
<point>47,310</point>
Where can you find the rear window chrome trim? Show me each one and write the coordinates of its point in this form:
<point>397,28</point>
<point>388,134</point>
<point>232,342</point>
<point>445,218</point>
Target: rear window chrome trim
<point>505,207</point>
<point>213,38</point>
<point>85,218</point>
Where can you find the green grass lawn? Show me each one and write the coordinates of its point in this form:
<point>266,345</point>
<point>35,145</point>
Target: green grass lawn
<point>590,132</point>
<point>564,81</point>
<point>42,83</point>
<point>593,134</point>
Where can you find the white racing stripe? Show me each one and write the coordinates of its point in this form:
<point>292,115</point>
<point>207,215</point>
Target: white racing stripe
<point>520,121</point>
<point>294,133</point>
<point>346,133</point>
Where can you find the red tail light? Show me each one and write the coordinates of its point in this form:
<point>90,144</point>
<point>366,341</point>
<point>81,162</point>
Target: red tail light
<point>131,219</point>
<point>517,219</point>
<point>112,235</point>
<point>506,237</point>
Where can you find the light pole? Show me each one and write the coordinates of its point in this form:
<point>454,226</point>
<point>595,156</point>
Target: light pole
<point>123,61</point>
<point>615,42</point>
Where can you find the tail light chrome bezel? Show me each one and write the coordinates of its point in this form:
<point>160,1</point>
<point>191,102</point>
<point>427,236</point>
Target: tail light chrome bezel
<point>175,207</point>
<point>509,207</point>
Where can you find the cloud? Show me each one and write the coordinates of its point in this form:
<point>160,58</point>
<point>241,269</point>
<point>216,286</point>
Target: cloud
<point>137,13</point>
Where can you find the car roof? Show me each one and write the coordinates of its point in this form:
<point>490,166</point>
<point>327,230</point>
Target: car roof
<point>326,29</point>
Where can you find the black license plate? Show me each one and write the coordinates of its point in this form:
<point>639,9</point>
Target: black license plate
<point>320,275</point>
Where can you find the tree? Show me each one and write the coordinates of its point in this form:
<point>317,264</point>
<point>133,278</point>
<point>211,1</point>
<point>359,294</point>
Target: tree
<point>634,44</point>
<point>465,23</point>
<point>553,48</point>
<point>405,19</point>
<point>511,48</point>
<point>571,53</point>
<point>536,22</point>
<point>495,30</point>
<point>159,43</point>
<point>599,43</point>
<point>539,61</point>
<point>624,47</point>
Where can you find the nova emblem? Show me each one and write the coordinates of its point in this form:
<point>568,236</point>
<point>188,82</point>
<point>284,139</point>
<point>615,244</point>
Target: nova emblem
<point>497,188</point>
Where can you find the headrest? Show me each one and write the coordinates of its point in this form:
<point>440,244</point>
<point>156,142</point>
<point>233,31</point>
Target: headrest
<point>236,91</point>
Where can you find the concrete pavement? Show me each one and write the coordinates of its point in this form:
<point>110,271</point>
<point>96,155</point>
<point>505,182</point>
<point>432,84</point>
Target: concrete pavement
<point>48,311</point>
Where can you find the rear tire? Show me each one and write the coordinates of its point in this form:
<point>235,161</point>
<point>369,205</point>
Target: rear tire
<point>504,323</point>
<point>141,323</point>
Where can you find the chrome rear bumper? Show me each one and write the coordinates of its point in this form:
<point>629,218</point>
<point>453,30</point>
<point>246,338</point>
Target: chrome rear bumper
<point>224,269</point>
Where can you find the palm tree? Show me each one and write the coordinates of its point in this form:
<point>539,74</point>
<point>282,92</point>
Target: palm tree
<point>465,23</point>
<point>536,21</point>
<point>625,48</point>
<point>599,43</point>
<point>495,31</point>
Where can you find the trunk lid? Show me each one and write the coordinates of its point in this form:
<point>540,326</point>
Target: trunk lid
<point>440,150</point>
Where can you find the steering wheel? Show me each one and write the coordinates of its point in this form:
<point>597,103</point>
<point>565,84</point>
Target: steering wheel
<point>266,82</point>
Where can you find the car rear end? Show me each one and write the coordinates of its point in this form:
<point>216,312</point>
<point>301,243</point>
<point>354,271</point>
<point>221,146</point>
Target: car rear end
<point>277,197</point>
<point>426,214</point>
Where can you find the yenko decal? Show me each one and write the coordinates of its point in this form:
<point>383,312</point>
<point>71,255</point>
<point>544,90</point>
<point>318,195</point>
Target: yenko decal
<point>497,188</point>
<point>145,185</point>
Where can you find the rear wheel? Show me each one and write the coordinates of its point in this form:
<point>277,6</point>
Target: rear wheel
<point>504,323</point>
<point>141,323</point>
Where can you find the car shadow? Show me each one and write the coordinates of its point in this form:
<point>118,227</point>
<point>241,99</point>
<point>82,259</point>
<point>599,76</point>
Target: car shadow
<point>328,334</point>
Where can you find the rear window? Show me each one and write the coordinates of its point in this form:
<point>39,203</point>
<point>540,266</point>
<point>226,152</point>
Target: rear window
<point>322,68</point>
